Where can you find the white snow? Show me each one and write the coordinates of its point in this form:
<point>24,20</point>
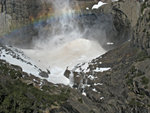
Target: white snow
<point>91,77</point>
<point>35,80</point>
<point>57,76</point>
<point>98,84</point>
<point>71,78</point>
<point>100,3</point>
<point>83,67</point>
<point>57,73</point>
<point>101,98</point>
<point>88,85</point>
<point>66,55</point>
<point>94,90</point>
<point>41,83</point>
<point>78,76</point>
<point>83,93</point>
<point>87,8</point>
<point>110,43</point>
<point>102,69</point>
<point>96,6</point>
<point>28,66</point>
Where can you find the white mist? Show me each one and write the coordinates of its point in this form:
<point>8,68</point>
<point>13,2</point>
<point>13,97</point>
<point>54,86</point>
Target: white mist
<point>65,46</point>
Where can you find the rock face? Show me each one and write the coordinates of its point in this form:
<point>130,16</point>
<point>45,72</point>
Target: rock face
<point>124,85</point>
<point>21,11</point>
<point>17,19</point>
<point>125,14</point>
<point>130,8</point>
<point>122,88</point>
<point>142,31</point>
<point>117,19</point>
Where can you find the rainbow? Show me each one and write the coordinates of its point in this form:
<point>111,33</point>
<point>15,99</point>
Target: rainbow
<point>37,21</point>
<point>44,16</point>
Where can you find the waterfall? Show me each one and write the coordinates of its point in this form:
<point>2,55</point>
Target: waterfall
<point>65,15</point>
<point>64,45</point>
<point>63,26</point>
<point>71,79</point>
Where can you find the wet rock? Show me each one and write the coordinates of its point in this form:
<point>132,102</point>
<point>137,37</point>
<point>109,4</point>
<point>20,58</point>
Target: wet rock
<point>43,74</point>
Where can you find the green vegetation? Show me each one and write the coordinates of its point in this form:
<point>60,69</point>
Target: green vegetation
<point>133,102</point>
<point>144,80</point>
<point>139,73</point>
<point>18,97</point>
<point>143,7</point>
<point>132,70</point>
<point>142,56</point>
<point>130,82</point>
<point>131,77</point>
<point>5,70</point>
<point>145,87</point>
<point>144,30</point>
<point>80,100</point>
<point>92,111</point>
<point>127,76</point>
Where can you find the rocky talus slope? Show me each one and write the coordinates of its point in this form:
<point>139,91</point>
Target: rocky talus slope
<point>116,82</point>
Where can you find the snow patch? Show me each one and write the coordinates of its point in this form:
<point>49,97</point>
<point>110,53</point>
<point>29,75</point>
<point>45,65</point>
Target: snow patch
<point>101,98</point>
<point>83,93</point>
<point>91,77</point>
<point>96,6</point>
<point>98,84</point>
<point>102,69</point>
<point>94,90</point>
<point>87,8</point>
<point>16,57</point>
<point>21,61</point>
<point>82,68</point>
<point>57,76</point>
<point>110,43</point>
<point>71,78</point>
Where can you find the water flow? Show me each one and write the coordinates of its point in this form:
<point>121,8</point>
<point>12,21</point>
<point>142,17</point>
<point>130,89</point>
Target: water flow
<point>65,15</point>
<point>65,45</point>
<point>64,29</point>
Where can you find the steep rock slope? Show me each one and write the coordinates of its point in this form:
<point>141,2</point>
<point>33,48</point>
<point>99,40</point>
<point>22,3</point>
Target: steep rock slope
<point>119,80</point>
<point>21,92</point>
<point>125,14</point>
<point>142,31</point>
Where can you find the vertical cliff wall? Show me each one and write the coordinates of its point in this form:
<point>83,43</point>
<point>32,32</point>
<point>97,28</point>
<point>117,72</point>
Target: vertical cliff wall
<point>17,13</point>
<point>142,30</point>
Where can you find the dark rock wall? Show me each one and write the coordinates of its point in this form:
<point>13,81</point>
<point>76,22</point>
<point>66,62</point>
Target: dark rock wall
<point>21,11</point>
<point>142,30</point>
<point>125,87</point>
<point>17,18</point>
